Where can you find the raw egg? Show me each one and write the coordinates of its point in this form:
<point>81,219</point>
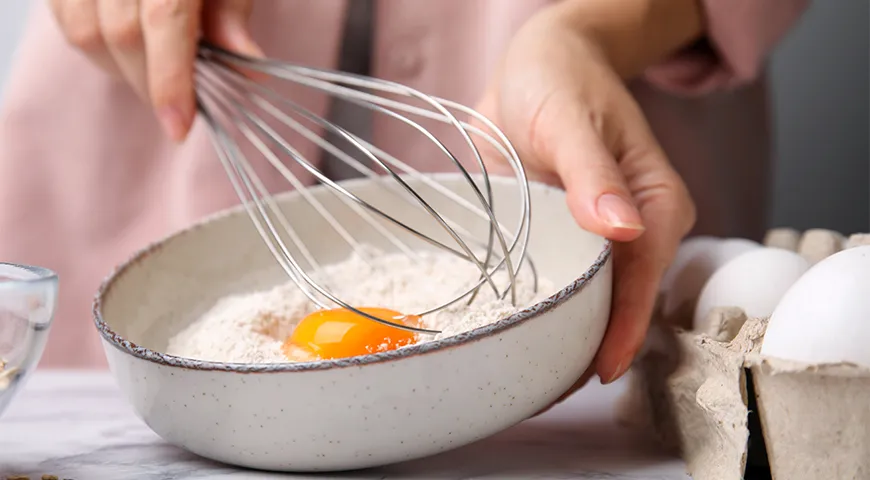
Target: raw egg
<point>341,333</point>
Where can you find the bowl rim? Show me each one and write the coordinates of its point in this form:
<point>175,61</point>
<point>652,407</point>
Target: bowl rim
<point>38,276</point>
<point>164,359</point>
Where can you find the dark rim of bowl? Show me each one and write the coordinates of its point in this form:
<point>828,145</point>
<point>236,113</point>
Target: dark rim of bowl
<point>470,336</point>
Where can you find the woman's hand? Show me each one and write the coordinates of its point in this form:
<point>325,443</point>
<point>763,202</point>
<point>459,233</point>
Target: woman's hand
<point>559,94</point>
<point>152,45</point>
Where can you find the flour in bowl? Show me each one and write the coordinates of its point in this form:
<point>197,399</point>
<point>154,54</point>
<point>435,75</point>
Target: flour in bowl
<point>251,328</point>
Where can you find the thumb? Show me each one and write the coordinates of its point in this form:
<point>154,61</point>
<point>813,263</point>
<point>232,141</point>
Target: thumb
<point>565,134</point>
<point>225,23</point>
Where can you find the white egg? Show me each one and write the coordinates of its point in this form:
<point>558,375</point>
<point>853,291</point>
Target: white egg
<point>825,316</point>
<point>690,248</point>
<point>696,260</point>
<point>754,281</point>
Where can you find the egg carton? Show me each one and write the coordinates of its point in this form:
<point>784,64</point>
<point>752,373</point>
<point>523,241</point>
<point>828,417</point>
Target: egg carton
<point>712,398</point>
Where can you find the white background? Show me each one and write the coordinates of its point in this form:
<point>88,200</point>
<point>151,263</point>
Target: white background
<point>821,82</point>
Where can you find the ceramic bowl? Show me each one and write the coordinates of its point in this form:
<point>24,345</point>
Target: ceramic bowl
<point>363,411</point>
<point>28,296</point>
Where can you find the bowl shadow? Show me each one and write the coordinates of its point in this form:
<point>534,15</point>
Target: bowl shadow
<point>537,449</point>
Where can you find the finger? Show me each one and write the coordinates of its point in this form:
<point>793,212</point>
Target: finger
<point>597,194</point>
<point>668,214</point>
<point>638,268</point>
<point>225,23</point>
<point>122,31</point>
<point>171,34</point>
<point>494,159</point>
<point>79,21</point>
<point>486,107</point>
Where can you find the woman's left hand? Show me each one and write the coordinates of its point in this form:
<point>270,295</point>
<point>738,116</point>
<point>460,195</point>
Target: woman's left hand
<point>560,97</point>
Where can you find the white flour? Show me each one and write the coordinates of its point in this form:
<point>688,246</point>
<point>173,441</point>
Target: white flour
<point>250,328</point>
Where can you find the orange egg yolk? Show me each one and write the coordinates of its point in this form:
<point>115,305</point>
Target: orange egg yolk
<point>341,333</point>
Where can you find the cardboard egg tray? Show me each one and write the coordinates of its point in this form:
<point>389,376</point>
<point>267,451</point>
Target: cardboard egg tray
<point>726,410</point>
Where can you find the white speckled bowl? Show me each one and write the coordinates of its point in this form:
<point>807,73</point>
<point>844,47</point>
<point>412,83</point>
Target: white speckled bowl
<point>352,413</point>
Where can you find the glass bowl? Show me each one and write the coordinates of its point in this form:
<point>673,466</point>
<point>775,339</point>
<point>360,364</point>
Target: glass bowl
<point>27,300</point>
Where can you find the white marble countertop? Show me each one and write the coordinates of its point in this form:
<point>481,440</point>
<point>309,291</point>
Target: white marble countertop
<point>76,425</point>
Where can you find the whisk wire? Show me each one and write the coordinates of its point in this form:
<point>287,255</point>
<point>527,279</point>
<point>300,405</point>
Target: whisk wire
<point>290,122</point>
<point>288,72</point>
<point>261,219</point>
<point>222,89</point>
<point>282,143</point>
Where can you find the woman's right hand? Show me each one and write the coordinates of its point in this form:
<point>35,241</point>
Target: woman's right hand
<point>152,45</point>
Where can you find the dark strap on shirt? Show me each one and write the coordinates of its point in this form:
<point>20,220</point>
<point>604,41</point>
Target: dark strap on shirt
<point>356,55</point>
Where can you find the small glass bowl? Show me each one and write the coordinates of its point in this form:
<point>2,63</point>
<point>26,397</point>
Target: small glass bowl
<point>28,296</point>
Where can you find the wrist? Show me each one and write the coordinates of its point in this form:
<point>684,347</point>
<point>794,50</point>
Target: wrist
<point>634,34</point>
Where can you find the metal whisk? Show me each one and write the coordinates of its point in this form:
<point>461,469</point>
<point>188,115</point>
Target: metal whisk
<point>242,107</point>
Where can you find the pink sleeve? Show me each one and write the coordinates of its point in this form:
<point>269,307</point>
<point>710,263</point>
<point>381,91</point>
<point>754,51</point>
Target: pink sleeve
<point>740,34</point>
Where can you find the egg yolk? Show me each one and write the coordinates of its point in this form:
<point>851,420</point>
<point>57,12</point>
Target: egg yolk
<point>341,333</point>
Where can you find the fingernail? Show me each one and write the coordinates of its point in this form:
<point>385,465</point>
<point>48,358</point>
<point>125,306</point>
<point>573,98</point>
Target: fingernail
<point>616,374</point>
<point>618,212</point>
<point>172,122</point>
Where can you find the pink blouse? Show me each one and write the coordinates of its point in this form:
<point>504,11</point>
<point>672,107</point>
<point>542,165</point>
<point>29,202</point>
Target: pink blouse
<point>87,177</point>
